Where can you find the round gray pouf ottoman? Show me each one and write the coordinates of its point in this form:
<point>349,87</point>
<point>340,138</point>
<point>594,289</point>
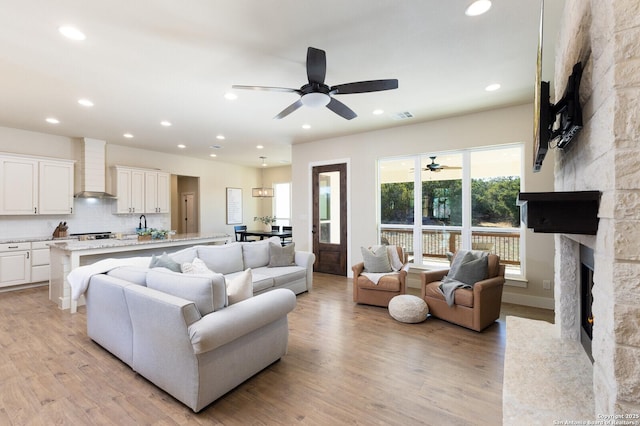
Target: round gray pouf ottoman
<point>408,308</point>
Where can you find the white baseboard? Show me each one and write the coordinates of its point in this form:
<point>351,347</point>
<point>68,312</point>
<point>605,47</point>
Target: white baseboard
<point>526,300</point>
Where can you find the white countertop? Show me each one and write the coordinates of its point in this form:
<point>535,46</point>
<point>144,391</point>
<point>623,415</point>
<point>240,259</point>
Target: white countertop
<point>128,241</point>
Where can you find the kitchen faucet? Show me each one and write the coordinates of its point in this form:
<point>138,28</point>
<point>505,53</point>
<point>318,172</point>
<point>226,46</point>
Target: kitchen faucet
<point>145,221</point>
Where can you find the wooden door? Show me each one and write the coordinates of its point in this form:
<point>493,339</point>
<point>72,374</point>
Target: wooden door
<point>189,224</point>
<point>330,219</point>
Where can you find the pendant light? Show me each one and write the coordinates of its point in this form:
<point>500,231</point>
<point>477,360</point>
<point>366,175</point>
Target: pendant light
<point>262,192</point>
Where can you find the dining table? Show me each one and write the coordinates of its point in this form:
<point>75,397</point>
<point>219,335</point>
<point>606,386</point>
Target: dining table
<point>283,235</point>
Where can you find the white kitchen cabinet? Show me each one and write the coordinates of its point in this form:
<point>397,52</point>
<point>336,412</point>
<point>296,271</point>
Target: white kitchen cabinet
<point>129,185</point>
<point>55,187</point>
<point>40,261</point>
<point>156,189</point>
<point>15,264</point>
<point>31,185</point>
<point>19,186</point>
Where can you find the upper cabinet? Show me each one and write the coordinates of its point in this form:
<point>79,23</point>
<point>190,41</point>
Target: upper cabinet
<point>56,187</point>
<point>156,191</point>
<point>129,184</point>
<point>141,191</point>
<point>31,185</point>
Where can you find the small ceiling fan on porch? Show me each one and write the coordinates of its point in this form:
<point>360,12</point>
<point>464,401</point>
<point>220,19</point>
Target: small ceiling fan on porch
<point>435,167</point>
<point>318,94</point>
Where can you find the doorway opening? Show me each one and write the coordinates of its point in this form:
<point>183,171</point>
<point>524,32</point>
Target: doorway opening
<point>185,204</point>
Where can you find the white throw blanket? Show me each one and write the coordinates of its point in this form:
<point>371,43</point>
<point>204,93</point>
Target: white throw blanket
<point>79,278</point>
<point>375,277</point>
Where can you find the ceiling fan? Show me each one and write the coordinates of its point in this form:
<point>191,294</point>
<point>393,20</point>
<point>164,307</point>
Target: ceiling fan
<point>317,94</point>
<point>435,167</point>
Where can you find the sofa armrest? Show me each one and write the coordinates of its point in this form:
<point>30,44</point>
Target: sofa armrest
<point>221,327</point>
<point>357,269</point>
<point>306,260</point>
<point>430,276</point>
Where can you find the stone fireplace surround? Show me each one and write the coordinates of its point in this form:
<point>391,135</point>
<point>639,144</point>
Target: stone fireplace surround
<point>605,156</point>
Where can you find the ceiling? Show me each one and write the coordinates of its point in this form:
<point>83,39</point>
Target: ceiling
<point>146,61</point>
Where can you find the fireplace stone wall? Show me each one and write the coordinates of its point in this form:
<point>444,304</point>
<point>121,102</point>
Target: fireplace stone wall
<point>605,156</point>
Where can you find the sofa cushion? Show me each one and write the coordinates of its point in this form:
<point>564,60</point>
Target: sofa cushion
<point>184,255</point>
<point>390,282</point>
<point>207,292</point>
<point>223,259</point>
<point>133,274</point>
<point>281,256</point>
<point>255,254</point>
<point>259,280</point>
<point>282,275</point>
<point>240,287</point>
<point>164,261</point>
<point>461,296</point>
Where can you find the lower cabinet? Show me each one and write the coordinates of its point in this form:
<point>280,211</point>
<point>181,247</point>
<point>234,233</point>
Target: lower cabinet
<point>15,264</point>
<point>39,261</point>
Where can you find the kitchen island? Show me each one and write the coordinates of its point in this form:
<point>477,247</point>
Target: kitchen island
<point>67,256</point>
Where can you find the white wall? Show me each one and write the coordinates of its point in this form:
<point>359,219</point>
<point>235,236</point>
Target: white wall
<point>496,127</point>
<point>215,177</point>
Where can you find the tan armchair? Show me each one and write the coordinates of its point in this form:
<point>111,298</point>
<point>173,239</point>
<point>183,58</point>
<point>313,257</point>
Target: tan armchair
<point>389,286</point>
<point>474,308</point>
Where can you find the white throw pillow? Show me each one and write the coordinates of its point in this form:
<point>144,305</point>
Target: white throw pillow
<point>376,259</point>
<point>195,267</point>
<point>240,287</point>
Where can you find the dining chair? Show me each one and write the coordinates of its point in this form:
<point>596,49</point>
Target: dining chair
<point>275,228</point>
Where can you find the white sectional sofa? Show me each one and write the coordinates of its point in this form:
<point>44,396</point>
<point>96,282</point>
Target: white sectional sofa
<point>179,330</point>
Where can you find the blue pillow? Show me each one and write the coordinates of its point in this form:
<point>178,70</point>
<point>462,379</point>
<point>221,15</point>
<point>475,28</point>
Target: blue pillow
<point>164,261</point>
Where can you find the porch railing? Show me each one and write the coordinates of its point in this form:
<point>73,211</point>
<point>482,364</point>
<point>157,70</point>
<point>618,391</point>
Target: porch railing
<point>436,242</point>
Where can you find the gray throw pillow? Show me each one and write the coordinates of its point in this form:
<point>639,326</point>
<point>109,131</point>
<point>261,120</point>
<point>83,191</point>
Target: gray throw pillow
<point>281,256</point>
<point>209,293</point>
<point>376,259</point>
<point>472,271</point>
<point>164,261</point>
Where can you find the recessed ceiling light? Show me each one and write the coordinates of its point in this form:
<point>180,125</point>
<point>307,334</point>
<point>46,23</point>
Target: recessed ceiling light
<point>230,96</point>
<point>378,111</point>
<point>85,102</point>
<point>492,87</point>
<point>52,120</point>
<point>182,146</point>
<point>72,33</point>
<point>259,146</point>
<point>306,126</point>
<point>128,135</point>
<point>220,137</point>
<point>212,155</point>
<point>165,123</point>
<point>478,7</point>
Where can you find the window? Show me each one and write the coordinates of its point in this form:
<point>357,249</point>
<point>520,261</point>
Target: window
<point>282,203</point>
<point>463,199</point>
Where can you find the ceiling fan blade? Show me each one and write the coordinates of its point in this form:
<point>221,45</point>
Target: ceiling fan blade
<point>288,110</point>
<point>341,109</point>
<point>266,88</point>
<point>316,65</point>
<point>365,86</point>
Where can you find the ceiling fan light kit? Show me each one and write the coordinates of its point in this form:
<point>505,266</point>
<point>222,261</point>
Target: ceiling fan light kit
<point>317,94</point>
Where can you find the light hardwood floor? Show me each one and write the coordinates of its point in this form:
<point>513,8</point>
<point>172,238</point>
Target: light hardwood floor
<point>347,364</point>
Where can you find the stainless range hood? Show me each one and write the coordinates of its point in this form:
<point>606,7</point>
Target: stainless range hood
<point>92,170</point>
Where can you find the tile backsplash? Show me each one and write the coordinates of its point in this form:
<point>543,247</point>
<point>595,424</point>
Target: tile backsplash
<point>91,215</point>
